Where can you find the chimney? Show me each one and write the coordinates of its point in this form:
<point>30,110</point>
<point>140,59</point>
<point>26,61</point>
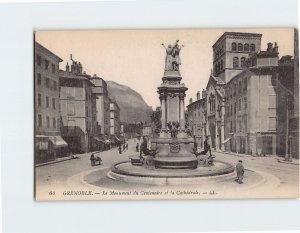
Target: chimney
<point>191,100</point>
<point>67,67</point>
<point>203,94</point>
<point>270,47</point>
<point>198,95</point>
<point>275,49</point>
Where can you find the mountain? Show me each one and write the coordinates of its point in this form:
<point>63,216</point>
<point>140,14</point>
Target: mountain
<point>133,108</point>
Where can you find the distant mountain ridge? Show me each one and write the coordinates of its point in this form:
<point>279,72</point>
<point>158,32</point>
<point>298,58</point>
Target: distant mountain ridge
<point>133,108</point>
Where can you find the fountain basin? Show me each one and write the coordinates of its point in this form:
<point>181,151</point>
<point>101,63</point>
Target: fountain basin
<point>126,172</point>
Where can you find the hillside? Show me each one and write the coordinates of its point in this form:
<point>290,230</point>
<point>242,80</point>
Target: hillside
<point>132,106</point>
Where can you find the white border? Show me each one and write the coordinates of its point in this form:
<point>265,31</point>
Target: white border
<point>22,214</point>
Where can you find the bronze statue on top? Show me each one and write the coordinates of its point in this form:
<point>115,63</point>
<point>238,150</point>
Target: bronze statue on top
<point>172,61</point>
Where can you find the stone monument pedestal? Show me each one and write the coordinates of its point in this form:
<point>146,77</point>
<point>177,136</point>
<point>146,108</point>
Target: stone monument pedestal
<point>174,148</point>
<point>174,153</point>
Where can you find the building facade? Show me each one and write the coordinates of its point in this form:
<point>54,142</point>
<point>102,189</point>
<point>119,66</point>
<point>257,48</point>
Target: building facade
<point>248,106</point>
<point>102,104</point>
<point>230,52</point>
<point>78,109</point>
<point>196,118</point>
<point>115,123</point>
<point>49,143</point>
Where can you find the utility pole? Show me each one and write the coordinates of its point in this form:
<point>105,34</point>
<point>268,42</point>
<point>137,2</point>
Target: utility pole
<point>287,143</point>
<point>288,156</point>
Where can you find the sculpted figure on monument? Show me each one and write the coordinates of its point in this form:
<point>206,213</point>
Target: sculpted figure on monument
<point>173,127</point>
<point>172,61</point>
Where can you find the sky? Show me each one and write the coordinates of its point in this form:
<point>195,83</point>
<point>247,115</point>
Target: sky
<point>136,57</point>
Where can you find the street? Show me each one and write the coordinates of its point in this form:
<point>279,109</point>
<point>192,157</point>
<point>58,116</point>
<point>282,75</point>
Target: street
<point>264,177</point>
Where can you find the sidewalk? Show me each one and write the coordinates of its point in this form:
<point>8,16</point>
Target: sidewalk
<point>58,160</point>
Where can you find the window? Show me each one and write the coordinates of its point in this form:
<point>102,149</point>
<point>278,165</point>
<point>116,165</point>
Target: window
<point>57,123</point>
<point>272,101</point>
<point>39,100</point>
<point>71,92</point>
<point>234,89</point>
<point>53,69</point>
<point>252,47</point>
<point>245,84</point>
<point>47,122</point>
<point>243,62</point>
<point>230,110</point>
<point>53,103</point>
<point>40,121</point>
<point>221,65</point>
<point>46,64</point>
<point>240,125</point>
<point>39,60</point>
<point>245,102</point>
<point>235,62</point>
<point>55,85</point>
<point>47,82</point>
<point>272,123</point>
<point>47,101</point>
<point>246,47</point>
<point>240,47</point>
<point>240,104</point>
<point>216,67</point>
<point>39,79</point>
<point>54,123</point>
<point>230,126</point>
<point>240,86</point>
<point>70,109</point>
<point>234,107</point>
<point>233,46</point>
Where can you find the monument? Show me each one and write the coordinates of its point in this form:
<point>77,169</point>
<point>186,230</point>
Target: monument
<point>172,159</point>
<point>174,149</point>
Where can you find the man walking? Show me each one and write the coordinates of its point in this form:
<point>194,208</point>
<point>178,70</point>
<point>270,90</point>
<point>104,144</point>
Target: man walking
<point>240,172</point>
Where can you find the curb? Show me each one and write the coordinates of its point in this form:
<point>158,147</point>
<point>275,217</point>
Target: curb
<point>287,162</point>
<point>55,161</point>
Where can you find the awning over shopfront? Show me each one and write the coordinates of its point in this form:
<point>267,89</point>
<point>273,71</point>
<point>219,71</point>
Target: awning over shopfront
<point>227,139</point>
<point>58,141</point>
<point>117,138</point>
<point>99,140</point>
<point>41,142</point>
<point>105,141</point>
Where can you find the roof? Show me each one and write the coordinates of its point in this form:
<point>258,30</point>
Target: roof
<point>267,54</point>
<point>199,100</point>
<point>239,34</point>
<point>41,47</point>
<point>66,74</point>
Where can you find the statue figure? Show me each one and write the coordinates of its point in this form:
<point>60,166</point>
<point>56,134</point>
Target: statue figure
<point>173,127</point>
<point>169,58</point>
<point>172,61</point>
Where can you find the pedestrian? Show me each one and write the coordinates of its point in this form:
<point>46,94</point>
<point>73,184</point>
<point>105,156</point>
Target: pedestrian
<point>120,149</point>
<point>240,172</point>
<point>92,158</point>
<point>137,147</point>
<point>124,147</point>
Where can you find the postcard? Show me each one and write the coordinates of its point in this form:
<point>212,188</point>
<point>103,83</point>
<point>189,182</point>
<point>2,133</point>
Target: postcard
<point>166,114</point>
